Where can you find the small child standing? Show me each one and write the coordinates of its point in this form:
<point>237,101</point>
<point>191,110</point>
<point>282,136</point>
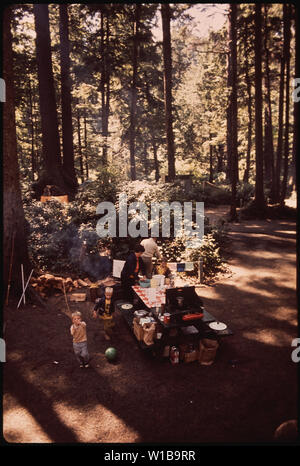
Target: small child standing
<point>104,308</point>
<point>78,331</point>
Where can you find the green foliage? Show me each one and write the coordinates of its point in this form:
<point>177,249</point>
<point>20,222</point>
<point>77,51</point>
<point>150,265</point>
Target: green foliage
<point>103,188</point>
<point>51,235</point>
<point>173,249</point>
<point>213,245</point>
<point>57,231</point>
<point>210,254</point>
<point>245,191</point>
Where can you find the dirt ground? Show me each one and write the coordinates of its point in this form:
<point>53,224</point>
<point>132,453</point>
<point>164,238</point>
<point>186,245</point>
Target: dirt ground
<point>249,390</point>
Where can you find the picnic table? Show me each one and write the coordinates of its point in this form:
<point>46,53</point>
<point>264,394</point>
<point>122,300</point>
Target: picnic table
<point>173,333</point>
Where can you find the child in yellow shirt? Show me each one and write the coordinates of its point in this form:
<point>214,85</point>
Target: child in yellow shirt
<point>104,309</point>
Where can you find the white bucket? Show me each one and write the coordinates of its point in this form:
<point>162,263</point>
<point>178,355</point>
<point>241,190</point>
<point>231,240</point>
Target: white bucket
<point>160,279</point>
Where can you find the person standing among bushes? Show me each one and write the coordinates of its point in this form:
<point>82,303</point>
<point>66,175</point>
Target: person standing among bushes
<point>151,249</point>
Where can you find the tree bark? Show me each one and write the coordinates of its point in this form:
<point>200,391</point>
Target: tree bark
<point>296,105</point>
<point>85,145</point>
<point>249,136</point>
<point>269,144</point>
<point>133,102</point>
<point>145,156</point>
<point>287,58</point>
<point>107,93</point>
<point>66,110</point>
<point>80,147</point>
<point>220,158</point>
<point>167,55</point>
<point>156,163</point>
<point>259,180</point>
<point>52,166</point>
<point>211,174</point>
<point>102,86</point>
<point>32,133</point>
<point>276,196</point>
<point>15,250</point>
<point>232,137</point>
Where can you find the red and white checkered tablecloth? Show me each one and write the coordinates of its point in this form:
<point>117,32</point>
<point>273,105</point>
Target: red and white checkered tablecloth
<point>151,297</point>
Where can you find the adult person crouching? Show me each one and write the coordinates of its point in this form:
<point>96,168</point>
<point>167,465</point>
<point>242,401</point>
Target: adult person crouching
<point>133,267</point>
<point>151,249</point>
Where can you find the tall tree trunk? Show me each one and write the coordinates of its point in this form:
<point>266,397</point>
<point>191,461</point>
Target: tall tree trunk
<point>102,86</point>
<point>211,173</point>
<point>14,237</point>
<point>167,55</point>
<point>52,166</point>
<point>107,92</point>
<point>156,163</point>
<point>249,135</point>
<point>276,197</point>
<point>220,158</point>
<point>145,157</point>
<point>259,179</point>
<point>80,147</point>
<point>232,108</point>
<point>132,127</point>
<point>66,110</point>
<point>269,144</point>
<point>33,161</point>
<point>228,110</point>
<point>296,105</point>
<point>85,145</point>
<point>287,57</point>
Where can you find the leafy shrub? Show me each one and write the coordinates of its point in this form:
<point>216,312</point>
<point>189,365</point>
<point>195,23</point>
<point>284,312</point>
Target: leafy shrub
<point>210,254</point>
<point>57,232</point>
<point>245,192</point>
<point>103,188</point>
<point>51,235</point>
<point>173,249</point>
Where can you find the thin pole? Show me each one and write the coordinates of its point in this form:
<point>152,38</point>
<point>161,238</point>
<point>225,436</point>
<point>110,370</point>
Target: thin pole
<point>25,289</point>
<point>66,296</point>
<point>22,273</point>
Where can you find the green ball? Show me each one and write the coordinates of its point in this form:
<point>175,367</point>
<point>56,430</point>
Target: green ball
<point>111,354</point>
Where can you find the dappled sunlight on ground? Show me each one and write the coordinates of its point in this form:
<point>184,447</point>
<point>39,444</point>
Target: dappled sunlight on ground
<point>274,337</point>
<point>89,429</point>
<point>19,424</point>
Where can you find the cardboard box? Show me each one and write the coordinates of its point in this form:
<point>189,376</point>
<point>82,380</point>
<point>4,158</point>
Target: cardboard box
<point>191,356</point>
<point>138,330</point>
<point>207,351</point>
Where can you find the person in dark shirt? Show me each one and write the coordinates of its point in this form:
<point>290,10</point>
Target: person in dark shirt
<point>133,267</point>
